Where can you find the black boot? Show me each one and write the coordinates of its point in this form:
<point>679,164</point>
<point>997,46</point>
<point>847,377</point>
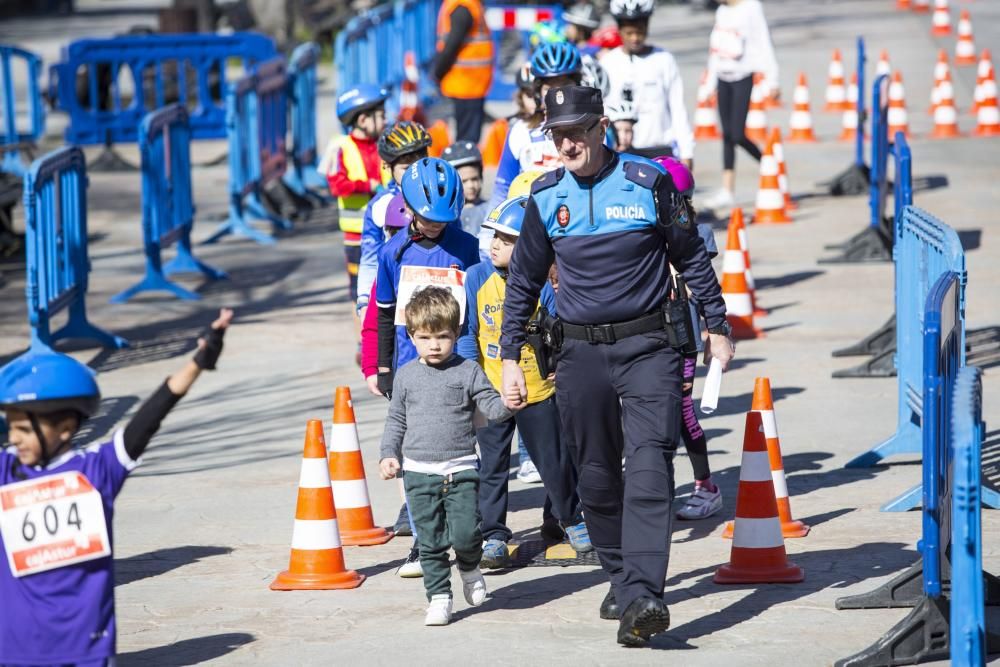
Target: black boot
<point>609,607</point>
<point>641,620</point>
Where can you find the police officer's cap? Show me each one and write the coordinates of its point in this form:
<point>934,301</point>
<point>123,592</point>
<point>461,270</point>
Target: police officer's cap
<point>572,105</point>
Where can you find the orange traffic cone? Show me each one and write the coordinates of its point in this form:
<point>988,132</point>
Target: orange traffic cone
<point>317,560</point>
<point>836,93</point>
<point>758,552</point>
<point>409,99</point>
<point>896,115</point>
<point>941,20</point>
<point>965,47</point>
<point>883,66</point>
<point>706,118</point>
<point>739,305</point>
<point>801,121</point>
<point>347,475</point>
<point>756,123</point>
<point>921,6</point>
<point>770,204</point>
<point>736,220</point>
<point>988,115</point>
<point>763,404</point>
<point>704,93</point>
<point>985,82</point>
<point>945,116</point>
<point>940,70</point>
<point>493,144</point>
<point>779,156</point>
<point>902,4</point>
<point>849,121</point>
<point>770,101</point>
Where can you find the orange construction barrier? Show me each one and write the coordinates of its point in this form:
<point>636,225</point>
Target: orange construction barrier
<point>849,121</point>
<point>896,114</point>
<point>770,204</point>
<point>883,66</point>
<point>941,20</point>
<point>779,155</point>
<point>762,403</point>
<point>758,552</point>
<point>347,475</point>
<point>706,117</point>
<point>317,560</point>
<point>739,305</point>
<point>801,123</point>
<point>755,128</point>
<point>965,47</point>
<point>440,138</point>
<point>988,115</point>
<point>836,92</point>
<point>946,115</point>
<point>492,146</point>
<point>736,220</point>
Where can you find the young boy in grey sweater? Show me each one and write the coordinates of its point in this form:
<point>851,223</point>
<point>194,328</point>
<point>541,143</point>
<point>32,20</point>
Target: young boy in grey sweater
<point>429,433</point>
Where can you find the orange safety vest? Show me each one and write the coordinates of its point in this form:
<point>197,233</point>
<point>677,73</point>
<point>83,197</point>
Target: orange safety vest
<point>471,75</point>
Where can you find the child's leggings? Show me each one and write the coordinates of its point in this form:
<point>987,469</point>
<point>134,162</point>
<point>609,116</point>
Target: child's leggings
<point>694,437</point>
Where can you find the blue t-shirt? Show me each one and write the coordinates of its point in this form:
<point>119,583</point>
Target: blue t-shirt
<point>454,249</point>
<point>65,615</point>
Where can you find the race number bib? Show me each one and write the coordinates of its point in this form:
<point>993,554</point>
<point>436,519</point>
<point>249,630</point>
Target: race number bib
<point>726,43</point>
<point>52,522</point>
<point>415,278</point>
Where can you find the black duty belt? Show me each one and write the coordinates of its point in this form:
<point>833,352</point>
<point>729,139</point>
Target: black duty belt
<point>609,333</point>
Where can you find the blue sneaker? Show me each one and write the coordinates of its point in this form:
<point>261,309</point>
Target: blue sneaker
<point>579,538</point>
<point>495,555</point>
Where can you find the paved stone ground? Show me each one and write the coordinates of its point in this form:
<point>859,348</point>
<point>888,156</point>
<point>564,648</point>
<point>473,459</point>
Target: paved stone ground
<point>205,524</point>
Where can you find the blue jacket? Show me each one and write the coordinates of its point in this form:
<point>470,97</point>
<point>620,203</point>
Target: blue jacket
<point>605,236</point>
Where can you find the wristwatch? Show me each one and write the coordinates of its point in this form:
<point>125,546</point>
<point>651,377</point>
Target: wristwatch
<point>725,329</point>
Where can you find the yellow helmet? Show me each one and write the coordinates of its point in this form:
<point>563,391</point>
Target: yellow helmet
<point>521,186</point>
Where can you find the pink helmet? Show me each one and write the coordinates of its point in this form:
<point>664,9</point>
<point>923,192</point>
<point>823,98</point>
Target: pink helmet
<point>681,175</point>
<point>395,213</point>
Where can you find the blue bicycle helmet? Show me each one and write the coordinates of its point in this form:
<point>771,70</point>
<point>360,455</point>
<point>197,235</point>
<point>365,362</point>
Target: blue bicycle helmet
<point>432,188</point>
<point>354,100</point>
<point>42,382</point>
<point>558,59</point>
<point>508,217</point>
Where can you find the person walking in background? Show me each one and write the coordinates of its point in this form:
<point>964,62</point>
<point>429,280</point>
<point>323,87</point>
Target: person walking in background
<point>740,45</point>
<point>464,64</point>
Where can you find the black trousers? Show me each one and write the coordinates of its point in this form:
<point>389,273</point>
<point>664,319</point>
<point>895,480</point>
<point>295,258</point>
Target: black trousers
<point>539,426</point>
<point>469,116</point>
<point>734,102</point>
<point>615,399</point>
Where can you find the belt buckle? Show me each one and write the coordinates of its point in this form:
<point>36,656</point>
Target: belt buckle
<point>601,333</point>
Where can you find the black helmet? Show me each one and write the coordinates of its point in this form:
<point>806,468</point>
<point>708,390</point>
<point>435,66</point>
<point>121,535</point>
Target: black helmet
<point>462,153</point>
<point>402,138</point>
<point>584,15</point>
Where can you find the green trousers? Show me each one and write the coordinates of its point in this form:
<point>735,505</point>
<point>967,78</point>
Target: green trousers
<point>445,512</point>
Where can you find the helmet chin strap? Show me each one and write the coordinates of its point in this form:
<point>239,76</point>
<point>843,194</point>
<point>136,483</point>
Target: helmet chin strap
<point>46,455</point>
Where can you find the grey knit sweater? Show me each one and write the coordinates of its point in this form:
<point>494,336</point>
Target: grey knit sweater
<point>430,414</point>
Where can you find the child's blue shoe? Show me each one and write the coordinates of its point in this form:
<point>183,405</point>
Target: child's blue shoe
<point>579,538</point>
<point>495,555</point>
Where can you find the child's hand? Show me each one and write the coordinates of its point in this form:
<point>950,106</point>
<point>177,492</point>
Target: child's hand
<point>388,467</point>
<point>372,382</point>
<point>210,344</point>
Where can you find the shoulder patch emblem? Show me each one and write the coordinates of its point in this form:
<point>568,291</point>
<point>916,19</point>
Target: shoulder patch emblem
<point>562,215</point>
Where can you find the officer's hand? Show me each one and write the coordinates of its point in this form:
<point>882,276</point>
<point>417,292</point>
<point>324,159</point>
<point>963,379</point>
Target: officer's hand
<point>388,467</point>
<point>720,347</point>
<point>515,390</point>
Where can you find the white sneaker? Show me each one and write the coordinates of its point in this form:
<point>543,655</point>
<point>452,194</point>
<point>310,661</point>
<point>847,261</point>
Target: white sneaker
<point>700,504</point>
<point>720,199</point>
<point>439,610</point>
<point>528,473</point>
<point>411,568</point>
<point>473,586</point>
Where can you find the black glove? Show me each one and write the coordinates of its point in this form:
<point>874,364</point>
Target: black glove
<point>385,383</point>
<point>206,356</point>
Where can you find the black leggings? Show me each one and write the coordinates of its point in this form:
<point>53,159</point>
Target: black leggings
<point>734,102</point>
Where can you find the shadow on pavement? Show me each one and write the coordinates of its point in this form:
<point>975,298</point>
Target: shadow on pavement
<point>982,347</point>
<point>787,279</point>
<point>161,561</point>
<point>187,651</point>
<point>537,592</point>
<point>933,182</point>
<point>730,405</point>
<point>110,412</point>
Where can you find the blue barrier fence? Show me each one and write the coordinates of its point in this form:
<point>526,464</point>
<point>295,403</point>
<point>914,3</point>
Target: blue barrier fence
<point>257,124</point>
<point>302,173</point>
<point>155,70</point>
<point>22,114</point>
<point>55,205</point>
<point>167,203</point>
<point>859,137</point>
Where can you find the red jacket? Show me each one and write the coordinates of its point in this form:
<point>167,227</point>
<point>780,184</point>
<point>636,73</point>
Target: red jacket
<point>341,186</point>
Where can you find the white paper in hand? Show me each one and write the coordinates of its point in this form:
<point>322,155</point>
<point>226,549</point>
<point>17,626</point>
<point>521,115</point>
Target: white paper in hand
<point>713,384</point>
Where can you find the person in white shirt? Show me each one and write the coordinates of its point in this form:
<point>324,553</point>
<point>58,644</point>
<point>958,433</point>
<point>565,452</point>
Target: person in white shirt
<point>652,74</point>
<point>740,46</point>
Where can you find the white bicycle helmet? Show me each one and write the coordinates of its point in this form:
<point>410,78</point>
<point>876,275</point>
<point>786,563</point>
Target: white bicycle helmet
<point>631,9</point>
<point>584,15</point>
<point>594,75</point>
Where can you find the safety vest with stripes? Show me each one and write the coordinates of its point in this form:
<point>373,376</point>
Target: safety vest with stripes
<point>352,207</point>
<point>471,75</point>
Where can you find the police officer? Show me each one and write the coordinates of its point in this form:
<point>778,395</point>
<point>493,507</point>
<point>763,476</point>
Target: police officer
<point>611,223</point>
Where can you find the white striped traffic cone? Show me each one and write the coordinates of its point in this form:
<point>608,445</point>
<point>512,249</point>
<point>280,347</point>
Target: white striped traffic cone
<point>779,156</point>
<point>849,121</point>
<point>988,115</point>
<point>317,560</point>
<point>836,92</point>
<point>756,123</point>
<point>945,115</point>
<point>736,220</point>
<point>883,66</point>
<point>801,120</point>
<point>706,116</point>
<point>735,291</point>
<point>347,475</point>
<point>941,68</point>
<point>896,114</point>
<point>758,551</point>
<point>941,20</point>
<point>965,47</point>
<point>770,204</point>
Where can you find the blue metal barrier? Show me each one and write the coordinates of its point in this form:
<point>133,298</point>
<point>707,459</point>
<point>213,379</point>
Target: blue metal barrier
<point>511,27</point>
<point>257,123</point>
<point>364,49</point>
<point>152,64</point>
<point>167,203</point>
<point>55,206</point>
<point>15,135</point>
<point>302,102</point>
